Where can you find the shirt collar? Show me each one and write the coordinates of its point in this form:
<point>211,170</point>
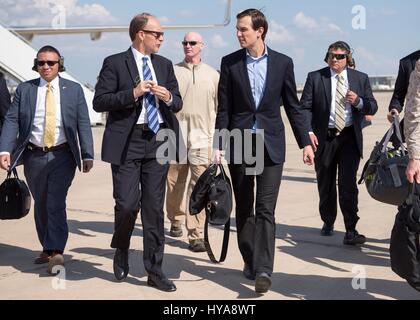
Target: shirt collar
<point>265,54</point>
<point>54,83</point>
<point>138,56</point>
<point>343,73</point>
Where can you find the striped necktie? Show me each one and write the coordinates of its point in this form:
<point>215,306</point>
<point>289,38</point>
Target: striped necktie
<point>340,104</point>
<point>149,100</point>
<point>49,131</point>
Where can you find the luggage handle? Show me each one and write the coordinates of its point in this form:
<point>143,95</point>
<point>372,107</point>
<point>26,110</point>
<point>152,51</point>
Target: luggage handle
<point>395,127</point>
<point>15,174</point>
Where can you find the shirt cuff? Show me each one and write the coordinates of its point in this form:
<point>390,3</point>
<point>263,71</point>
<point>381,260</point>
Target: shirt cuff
<point>360,105</point>
<point>87,159</point>
<point>169,103</point>
<point>4,153</point>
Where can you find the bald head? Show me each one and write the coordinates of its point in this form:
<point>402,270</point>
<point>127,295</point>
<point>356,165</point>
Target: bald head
<point>193,44</point>
<point>193,36</point>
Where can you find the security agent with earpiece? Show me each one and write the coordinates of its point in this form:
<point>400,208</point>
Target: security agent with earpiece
<point>47,129</point>
<point>335,100</point>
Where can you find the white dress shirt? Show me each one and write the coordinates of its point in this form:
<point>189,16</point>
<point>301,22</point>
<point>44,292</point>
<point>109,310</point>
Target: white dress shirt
<point>348,111</point>
<point>37,132</point>
<point>138,56</point>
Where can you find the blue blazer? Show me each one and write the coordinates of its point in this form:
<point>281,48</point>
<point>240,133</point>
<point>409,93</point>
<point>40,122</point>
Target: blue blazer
<point>19,120</point>
<point>237,109</point>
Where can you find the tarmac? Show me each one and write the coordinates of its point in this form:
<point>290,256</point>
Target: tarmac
<point>307,266</point>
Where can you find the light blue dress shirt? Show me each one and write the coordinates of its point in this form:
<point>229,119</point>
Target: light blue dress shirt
<point>257,73</point>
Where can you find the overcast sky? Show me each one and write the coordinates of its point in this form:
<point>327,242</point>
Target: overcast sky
<point>302,29</point>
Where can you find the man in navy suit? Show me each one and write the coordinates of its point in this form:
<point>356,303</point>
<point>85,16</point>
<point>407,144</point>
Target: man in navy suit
<point>4,99</point>
<point>336,99</point>
<point>254,82</point>
<point>43,128</point>
<point>139,90</point>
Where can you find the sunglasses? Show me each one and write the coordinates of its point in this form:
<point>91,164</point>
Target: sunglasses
<point>156,34</point>
<point>337,56</point>
<point>191,43</point>
<point>48,62</point>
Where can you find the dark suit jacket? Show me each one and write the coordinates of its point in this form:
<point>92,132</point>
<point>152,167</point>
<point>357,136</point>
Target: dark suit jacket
<point>237,109</point>
<point>20,117</point>
<point>4,100</point>
<point>316,100</point>
<point>407,65</point>
<point>114,93</point>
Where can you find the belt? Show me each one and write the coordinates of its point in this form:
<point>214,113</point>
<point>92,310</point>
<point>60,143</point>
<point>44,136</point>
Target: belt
<point>145,126</point>
<point>333,132</point>
<point>34,147</point>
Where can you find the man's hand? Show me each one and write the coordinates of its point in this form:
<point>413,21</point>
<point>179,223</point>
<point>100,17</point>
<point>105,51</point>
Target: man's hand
<point>413,170</point>
<point>392,114</point>
<point>161,92</point>
<point>308,155</point>
<point>216,157</point>
<point>352,98</point>
<point>314,141</point>
<point>87,165</point>
<point>142,88</point>
<point>5,161</point>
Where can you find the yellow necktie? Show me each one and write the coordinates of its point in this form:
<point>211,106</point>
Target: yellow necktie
<point>49,132</point>
<point>340,104</point>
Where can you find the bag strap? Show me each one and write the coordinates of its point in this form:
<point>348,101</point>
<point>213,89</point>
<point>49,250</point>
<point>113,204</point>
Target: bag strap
<point>15,174</point>
<point>395,128</point>
<point>226,233</point>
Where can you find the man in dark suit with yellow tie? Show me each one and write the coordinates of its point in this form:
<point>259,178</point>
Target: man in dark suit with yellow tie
<point>336,99</point>
<point>139,91</point>
<point>43,129</point>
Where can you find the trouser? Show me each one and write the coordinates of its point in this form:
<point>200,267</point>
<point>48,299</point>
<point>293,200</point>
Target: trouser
<point>256,231</point>
<point>140,182</point>
<point>339,153</point>
<point>177,205</point>
<point>49,176</point>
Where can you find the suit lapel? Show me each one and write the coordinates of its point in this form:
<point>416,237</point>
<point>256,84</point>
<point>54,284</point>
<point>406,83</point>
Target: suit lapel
<point>132,66</point>
<point>243,72</point>
<point>352,78</point>
<point>157,69</point>
<point>33,95</point>
<point>269,78</point>
<point>326,80</point>
<point>63,100</point>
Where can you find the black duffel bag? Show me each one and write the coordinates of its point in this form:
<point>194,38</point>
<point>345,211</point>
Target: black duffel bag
<point>15,199</point>
<point>213,192</point>
<point>384,171</point>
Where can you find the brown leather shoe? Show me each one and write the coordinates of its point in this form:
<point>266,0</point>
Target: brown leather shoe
<point>43,258</point>
<point>56,259</point>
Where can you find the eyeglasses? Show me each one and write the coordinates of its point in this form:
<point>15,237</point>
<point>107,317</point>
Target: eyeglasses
<point>48,62</point>
<point>156,34</point>
<point>191,43</point>
<point>337,56</point>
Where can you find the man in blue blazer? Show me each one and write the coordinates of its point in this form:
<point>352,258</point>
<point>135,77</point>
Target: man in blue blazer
<point>139,91</point>
<point>43,129</point>
<point>254,83</point>
<point>336,100</point>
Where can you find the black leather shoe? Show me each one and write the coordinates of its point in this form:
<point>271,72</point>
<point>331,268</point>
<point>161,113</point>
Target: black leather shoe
<point>248,272</point>
<point>353,238</point>
<point>327,230</point>
<point>161,283</point>
<point>262,282</point>
<point>121,264</point>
